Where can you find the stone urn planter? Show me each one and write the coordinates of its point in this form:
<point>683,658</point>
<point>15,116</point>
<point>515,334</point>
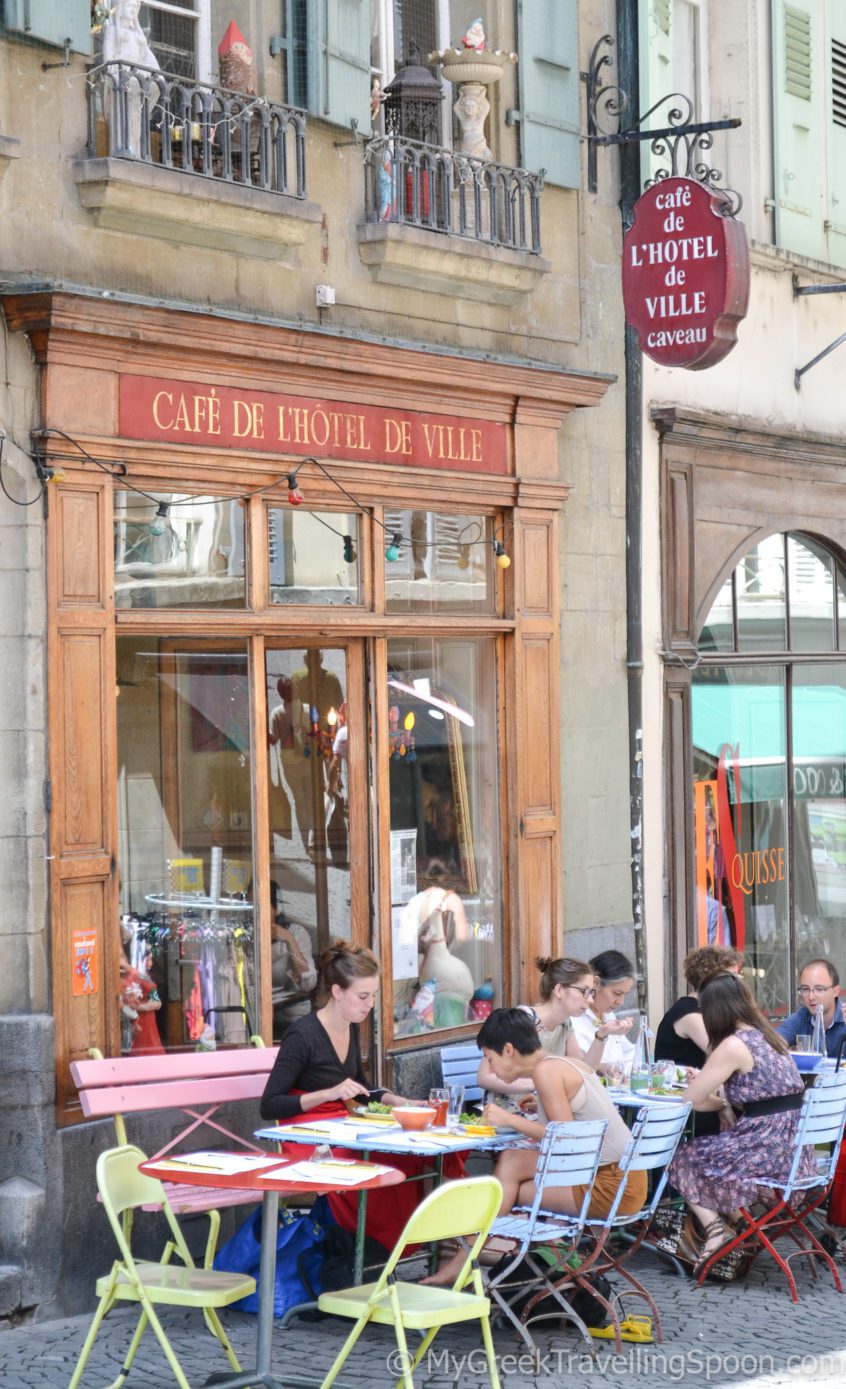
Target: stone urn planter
<point>472,72</point>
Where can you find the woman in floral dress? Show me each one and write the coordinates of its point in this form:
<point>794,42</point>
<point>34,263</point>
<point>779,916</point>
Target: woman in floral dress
<point>759,1109</point>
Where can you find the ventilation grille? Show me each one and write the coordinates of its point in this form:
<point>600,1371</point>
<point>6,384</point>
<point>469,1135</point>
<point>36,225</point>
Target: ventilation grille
<point>797,53</point>
<point>838,82</point>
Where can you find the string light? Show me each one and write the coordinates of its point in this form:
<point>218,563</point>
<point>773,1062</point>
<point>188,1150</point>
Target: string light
<point>158,524</point>
<point>393,551</point>
<point>295,496</point>
<point>349,550</point>
<point>502,559</point>
<point>463,560</point>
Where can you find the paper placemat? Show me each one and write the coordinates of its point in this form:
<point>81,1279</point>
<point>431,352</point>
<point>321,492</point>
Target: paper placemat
<point>329,1173</point>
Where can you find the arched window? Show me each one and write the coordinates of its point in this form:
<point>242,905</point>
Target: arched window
<point>769,764</point>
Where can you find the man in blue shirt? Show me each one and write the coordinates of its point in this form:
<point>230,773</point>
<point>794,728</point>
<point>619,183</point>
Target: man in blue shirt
<point>819,982</point>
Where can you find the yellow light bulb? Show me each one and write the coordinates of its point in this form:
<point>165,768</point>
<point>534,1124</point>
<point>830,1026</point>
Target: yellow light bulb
<point>503,561</point>
<point>332,717</point>
<point>408,722</point>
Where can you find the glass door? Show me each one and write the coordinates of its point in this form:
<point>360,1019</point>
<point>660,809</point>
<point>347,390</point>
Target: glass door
<point>317,816</point>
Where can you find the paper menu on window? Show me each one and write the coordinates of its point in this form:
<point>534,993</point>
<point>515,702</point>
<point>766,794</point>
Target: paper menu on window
<point>404,937</point>
<point>403,867</point>
<point>224,1164</point>
<point>330,1173</point>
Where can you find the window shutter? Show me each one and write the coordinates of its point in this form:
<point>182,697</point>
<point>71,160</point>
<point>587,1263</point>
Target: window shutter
<point>50,21</point>
<point>656,75</point>
<point>339,62</point>
<point>547,39</point>
<point>835,64</point>
<point>798,93</point>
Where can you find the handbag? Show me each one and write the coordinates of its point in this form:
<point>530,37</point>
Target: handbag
<point>299,1247</point>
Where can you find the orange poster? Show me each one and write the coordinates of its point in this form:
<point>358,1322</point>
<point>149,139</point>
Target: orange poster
<point>85,972</point>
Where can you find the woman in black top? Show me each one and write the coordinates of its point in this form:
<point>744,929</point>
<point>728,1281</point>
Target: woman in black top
<point>681,1035</point>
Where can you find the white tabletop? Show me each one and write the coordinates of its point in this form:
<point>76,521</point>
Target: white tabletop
<point>361,1136</point>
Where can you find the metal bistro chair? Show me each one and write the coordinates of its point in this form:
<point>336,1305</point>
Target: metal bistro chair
<point>656,1133</point>
<point>459,1066</point>
<point>569,1156</point>
<point>122,1188</point>
<point>452,1211</point>
<point>821,1121</point>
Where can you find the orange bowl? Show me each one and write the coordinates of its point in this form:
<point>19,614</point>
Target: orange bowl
<point>412,1116</point>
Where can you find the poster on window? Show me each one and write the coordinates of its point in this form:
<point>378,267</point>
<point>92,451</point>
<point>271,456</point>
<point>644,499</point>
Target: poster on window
<point>404,941</point>
<point>403,865</point>
<point>85,972</point>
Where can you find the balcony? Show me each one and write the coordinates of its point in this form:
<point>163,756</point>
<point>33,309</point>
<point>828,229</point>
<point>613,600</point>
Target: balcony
<point>186,161</point>
<point>447,223</point>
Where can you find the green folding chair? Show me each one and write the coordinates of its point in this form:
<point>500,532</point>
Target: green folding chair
<point>453,1211</point>
<point>123,1188</point>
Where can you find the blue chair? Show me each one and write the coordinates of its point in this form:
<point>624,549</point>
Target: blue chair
<point>821,1122</point>
<point>569,1156</point>
<point>460,1066</point>
<point>656,1133</point>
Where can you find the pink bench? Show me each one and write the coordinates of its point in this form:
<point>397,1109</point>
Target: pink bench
<point>197,1083</point>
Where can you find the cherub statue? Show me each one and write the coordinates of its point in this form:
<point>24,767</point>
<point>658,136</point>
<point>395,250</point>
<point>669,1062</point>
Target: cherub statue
<point>475,37</point>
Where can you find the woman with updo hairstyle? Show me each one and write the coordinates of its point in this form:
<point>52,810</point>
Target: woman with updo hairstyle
<point>565,990</point>
<point>318,1067</point>
<point>599,1024</point>
<point>681,1035</point>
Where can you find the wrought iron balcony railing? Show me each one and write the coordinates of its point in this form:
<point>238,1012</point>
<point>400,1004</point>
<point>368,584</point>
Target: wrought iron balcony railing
<point>445,191</point>
<point>147,115</point>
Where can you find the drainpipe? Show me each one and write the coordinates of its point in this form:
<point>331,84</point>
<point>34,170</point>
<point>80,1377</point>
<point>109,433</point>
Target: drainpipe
<point>629,80</point>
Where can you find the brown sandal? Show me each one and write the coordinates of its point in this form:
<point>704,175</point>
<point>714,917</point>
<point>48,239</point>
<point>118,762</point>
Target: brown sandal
<point>714,1236</point>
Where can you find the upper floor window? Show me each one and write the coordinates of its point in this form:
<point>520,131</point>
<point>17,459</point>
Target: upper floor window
<point>178,34</point>
<point>673,58</point>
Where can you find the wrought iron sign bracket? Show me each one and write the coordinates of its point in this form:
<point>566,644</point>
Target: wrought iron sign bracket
<point>799,291</point>
<point>682,141</point>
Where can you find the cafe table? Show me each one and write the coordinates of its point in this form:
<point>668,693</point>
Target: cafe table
<point>272,1183</point>
<point>366,1137</point>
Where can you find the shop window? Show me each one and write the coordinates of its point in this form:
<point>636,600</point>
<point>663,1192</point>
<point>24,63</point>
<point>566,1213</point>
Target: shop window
<point>313,556</point>
<point>444,832</point>
<point>769,765</point>
<point>173,551</point>
<point>445,563</point>
<point>309,803</point>
<point>185,845</point>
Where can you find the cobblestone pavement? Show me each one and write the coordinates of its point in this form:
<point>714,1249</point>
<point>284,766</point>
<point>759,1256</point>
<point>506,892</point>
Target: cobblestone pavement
<point>748,1335</point>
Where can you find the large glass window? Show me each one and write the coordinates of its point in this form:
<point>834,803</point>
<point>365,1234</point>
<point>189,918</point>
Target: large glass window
<point>185,844</point>
<point>444,832</point>
<point>313,557</point>
<point>308,790</point>
<point>769,765</point>
<point>443,563</point>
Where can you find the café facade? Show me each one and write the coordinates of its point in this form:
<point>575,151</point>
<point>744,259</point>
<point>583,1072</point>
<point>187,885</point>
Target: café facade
<point>303,653</point>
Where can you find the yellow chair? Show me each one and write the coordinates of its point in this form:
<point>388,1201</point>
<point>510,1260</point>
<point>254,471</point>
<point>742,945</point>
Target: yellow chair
<point>452,1211</point>
<point>123,1188</point>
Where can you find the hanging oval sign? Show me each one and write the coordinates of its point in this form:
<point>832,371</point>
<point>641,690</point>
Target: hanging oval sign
<point>685,274</point>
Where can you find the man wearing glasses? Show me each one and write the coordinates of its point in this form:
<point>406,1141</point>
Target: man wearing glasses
<point>819,982</point>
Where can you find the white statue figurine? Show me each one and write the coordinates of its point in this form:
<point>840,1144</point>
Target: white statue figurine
<point>472,108</point>
<point>475,37</point>
<point>124,41</point>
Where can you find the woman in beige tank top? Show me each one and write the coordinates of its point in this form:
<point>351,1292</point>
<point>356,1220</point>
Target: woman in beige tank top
<point>567,1089</point>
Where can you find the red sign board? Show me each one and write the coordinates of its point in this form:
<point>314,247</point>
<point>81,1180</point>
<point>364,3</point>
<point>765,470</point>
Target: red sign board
<point>185,412</point>
<point>685,274</point>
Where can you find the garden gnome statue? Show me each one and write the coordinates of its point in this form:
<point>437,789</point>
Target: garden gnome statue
<point>236,61</point>
<point>475,37</point>
<point>124,41</point>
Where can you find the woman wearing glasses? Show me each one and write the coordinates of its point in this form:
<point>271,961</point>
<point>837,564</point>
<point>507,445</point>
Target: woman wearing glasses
<point>601,1035</point>
<point>565,991</point>
<point>819,982</point>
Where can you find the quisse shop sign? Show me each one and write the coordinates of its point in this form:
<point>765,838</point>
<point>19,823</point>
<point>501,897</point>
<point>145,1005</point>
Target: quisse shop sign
<point>186,412</point>
<point>685,274</point>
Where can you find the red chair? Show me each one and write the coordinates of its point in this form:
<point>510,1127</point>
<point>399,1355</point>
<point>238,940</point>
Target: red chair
<point>821,1121</point>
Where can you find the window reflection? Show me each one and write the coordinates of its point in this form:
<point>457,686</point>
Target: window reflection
<point>185,845</point>
<point>445,563</point>
<point>173,552</point>
<point>761,600</point>
<point>718,632</point>
<point>819,809</point>
<point>444,869</point>
<point>811,587</point>
<point>313,557</point>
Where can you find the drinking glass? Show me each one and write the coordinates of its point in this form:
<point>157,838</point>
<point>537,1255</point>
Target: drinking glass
<point>439,1100</point>
<point>803,1042</point>
<point>617,1075</point>
<point>456,1104</point>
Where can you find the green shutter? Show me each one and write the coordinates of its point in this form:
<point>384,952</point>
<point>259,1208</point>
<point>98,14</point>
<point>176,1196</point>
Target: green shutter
<point>56,22</point>
<point>835,67</point>
<point>547,40</point>
<point>799,137</point>
<point>656,76</point>
<point>339,62</point>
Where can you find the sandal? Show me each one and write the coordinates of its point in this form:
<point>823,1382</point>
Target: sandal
<point>714,1236</point>
<point>632,1328</point>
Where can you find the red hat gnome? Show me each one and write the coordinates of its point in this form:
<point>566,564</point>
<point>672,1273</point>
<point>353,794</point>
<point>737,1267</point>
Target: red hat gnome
<point>236,61</point>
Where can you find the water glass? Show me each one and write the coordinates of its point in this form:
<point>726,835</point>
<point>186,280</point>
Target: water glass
<point>618,1076</point>
<point>803,1042</point>
<point>456,1104</point>
<point>439,1100</point>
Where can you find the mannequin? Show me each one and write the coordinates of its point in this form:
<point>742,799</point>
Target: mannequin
<point>124,41</point>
